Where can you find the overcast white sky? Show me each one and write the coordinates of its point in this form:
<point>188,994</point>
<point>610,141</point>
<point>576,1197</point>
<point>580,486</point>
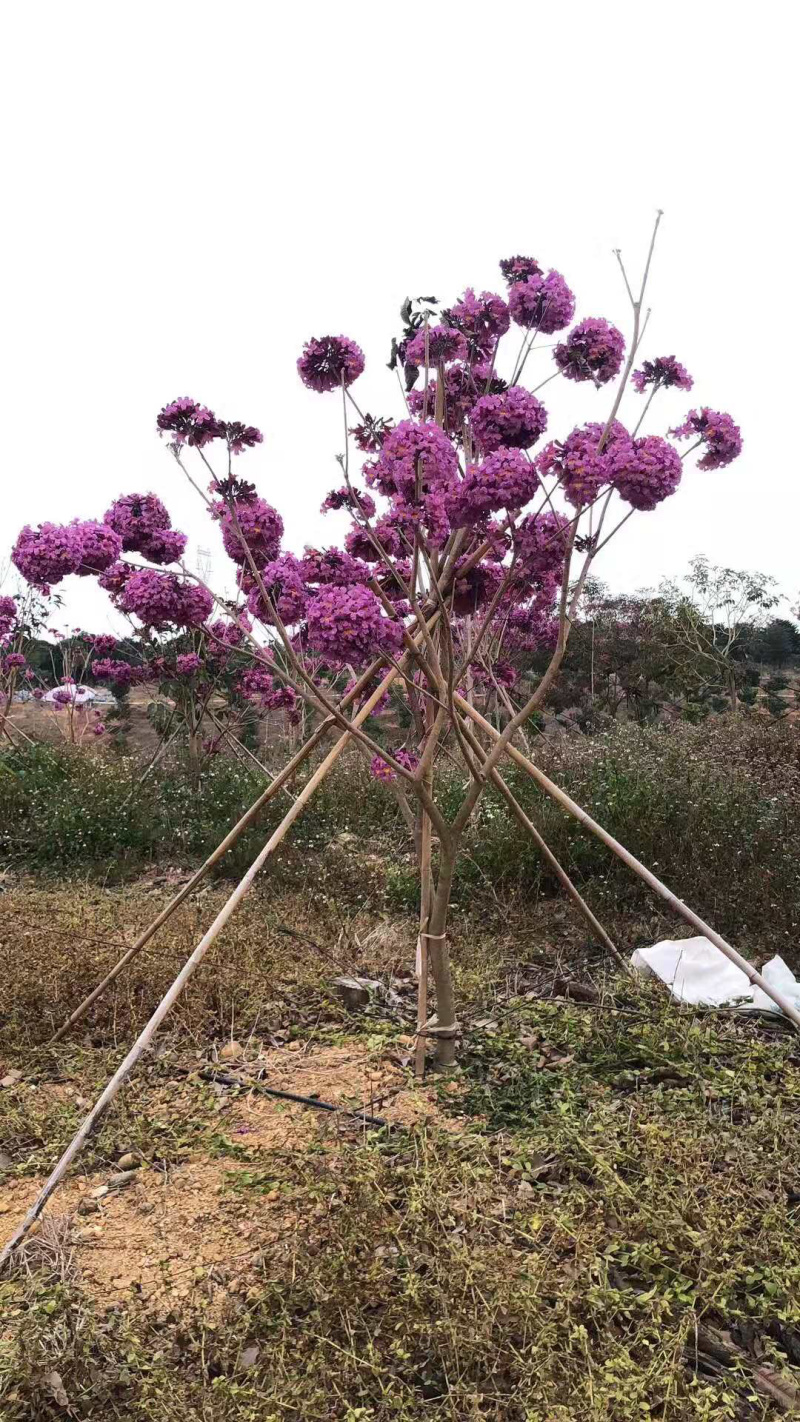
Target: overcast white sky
<point>191,190</point>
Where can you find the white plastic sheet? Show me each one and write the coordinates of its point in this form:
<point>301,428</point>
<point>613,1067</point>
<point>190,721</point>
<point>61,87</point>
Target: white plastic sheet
<point>696,972</point>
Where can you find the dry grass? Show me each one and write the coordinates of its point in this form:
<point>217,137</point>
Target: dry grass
<point>554,1233</point>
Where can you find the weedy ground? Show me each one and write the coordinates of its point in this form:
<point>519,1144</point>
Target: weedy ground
<point>595,1216</point>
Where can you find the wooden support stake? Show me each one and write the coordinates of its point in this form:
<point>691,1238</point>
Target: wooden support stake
<point>652,881</point>
<point>146,1036</point>
<point>547,854</point>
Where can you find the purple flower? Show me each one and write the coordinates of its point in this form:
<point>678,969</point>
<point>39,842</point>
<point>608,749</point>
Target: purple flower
<point>47,554</point>
<point>651,474</point>
<point>593,350</point>
<point>542,303</point>
<point>475,586</point>
<point>188,664</point>
<point>540,541</point>
<point>371,433</point>
<point>137,518</point>
<point>582,469</point>
<point>380,769</point>
<point>104,644</point>
<point>8,614</point>
<point>415,459</point>
<point>284,583</point>
<point>482,320</point>
<point>106,669</point>
<point>231,633</point>
<point>332,566</point>
<point>164,546</point>
<point>283,697</point>
<point>330,362</point>
<point>385,532</point>
<point>100,547</point>
<point>721,437</point>
<point>463,387</point>
<point>257,523</point>
<point>429,515</point>
<point>516,269</point>
<point>345,498</point>
<point>189,422</point>
<point>98,729</point>
<point>505,480</point>
<point>115,577</point>
<point>515,419</point>
<point>435,345</point>
<point>256,684</point>
<point>162,600</point>
<point>664,370</point>
<point>348,625</point>
<point>13,661</point>
<point>239,436</point>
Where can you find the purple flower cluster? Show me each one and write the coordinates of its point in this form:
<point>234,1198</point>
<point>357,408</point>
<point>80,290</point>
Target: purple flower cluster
<point>115,577</point>
<point>476,586</point>
<point>415,457</point>
<point>196,425</point>
<point>285,586</point>
<point>665,371</point>
<point>436,345</point>
<point>118,672</point>
<point>162,600</point>
<point>188,664</point>
<point>250,525</point>
<point>505,480</point>
<point>651,474</point>
<point>345,498</point>
<point>143,524</point>
<point>239,436</point>
<point>100,547</point>
<point>542,303</point>
<point>332,566</point>
<point>371,433</point>
<point>328,362</point>
<point>385,532</point>
<point>593,350</point>
<point>189,422</point>
<point>103,644</point>
<point>582,469</point>
<point>516,269</point>
<point>13,661</point>
<point>47,554</point>
<point>348,625</point>
<point>8,614</point>
<point>232,634</point>
<point>256,684</point>
<point>717,431</point>
<point>515,419</point>
<point>381,770</point>
<point>540,542</point>
<point>463,387</point>
<point>482,320</point>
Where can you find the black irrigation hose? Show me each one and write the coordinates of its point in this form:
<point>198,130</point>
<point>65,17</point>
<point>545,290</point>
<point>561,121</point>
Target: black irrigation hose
<point>226,1079</point>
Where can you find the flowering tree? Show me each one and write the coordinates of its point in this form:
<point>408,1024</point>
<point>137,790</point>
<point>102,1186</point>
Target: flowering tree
<point>469,542</point>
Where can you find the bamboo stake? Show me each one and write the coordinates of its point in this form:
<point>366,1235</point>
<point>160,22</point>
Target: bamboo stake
<point>425,897</point>
<point>654,883</point>
<point>230,839</point>
<point>183,893</point>
<point>238,746</point>
<point>547,853</point>
<point>559,871</point>
<point>145,1037</point>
